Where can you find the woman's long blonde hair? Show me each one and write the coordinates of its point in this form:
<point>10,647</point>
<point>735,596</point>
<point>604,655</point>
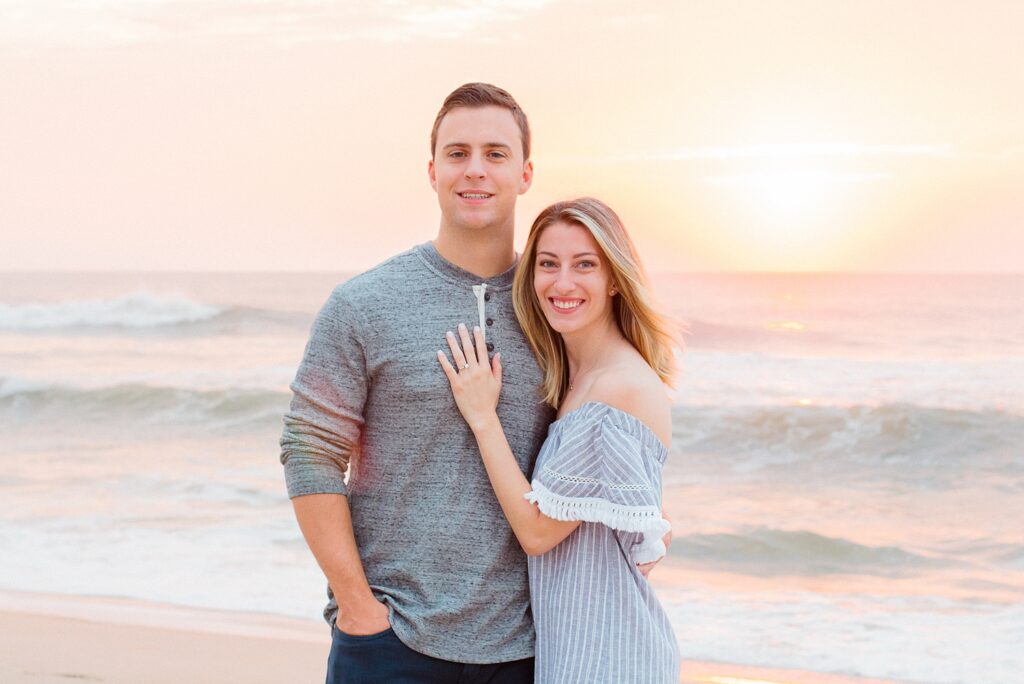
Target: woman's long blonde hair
<point>652,333</point>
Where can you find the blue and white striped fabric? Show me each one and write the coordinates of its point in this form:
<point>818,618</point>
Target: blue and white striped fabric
<point>597,618</point>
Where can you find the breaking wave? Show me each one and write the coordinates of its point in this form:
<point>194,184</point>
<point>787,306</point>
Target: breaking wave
<point>871,435</point>
<point>142,311</point>
<point>140,403</point>
<point>765,551</point>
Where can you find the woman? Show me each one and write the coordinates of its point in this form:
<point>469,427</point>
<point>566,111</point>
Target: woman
<point>593,511</point>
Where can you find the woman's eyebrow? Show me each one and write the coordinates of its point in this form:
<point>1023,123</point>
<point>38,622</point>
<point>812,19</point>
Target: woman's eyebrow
<point>574,256</point>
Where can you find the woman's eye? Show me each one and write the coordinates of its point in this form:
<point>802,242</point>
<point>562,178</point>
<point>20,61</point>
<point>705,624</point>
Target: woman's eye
<point>546,263</point>
<point>586,264</point>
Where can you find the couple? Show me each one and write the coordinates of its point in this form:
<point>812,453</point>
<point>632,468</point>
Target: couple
<point>423,545</point>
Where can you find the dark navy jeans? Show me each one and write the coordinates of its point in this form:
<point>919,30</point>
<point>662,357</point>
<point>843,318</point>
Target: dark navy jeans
<point>384,659</point>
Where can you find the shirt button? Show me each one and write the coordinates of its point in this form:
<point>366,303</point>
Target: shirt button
<point>490,321</point>
<point>487,296</point>
<point>490,346</point>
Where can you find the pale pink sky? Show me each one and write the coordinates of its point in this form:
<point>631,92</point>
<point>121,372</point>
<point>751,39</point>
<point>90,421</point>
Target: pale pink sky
<point>292,135</point>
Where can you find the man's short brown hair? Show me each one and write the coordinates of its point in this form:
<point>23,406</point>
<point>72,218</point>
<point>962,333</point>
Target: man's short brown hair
<point>483,95</point>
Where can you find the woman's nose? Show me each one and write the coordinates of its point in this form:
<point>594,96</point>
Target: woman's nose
<point>564,282</point>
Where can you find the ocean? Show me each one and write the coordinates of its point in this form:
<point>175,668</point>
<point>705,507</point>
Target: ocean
<point>845,479</point>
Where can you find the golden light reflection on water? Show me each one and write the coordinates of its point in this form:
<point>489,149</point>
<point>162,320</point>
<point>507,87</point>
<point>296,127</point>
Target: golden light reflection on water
<point>737,680</point>
<point>696,672</point>
<point>794,326</point>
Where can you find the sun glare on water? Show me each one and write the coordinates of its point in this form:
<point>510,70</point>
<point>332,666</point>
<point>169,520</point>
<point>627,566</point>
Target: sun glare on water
<point>737,680</point>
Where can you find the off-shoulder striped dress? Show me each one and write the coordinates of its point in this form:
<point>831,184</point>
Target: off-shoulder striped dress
<point>597,618</point>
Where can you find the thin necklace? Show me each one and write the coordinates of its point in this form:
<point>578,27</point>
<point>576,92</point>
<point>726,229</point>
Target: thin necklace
<point>570,380</point>
<point>579,372</point>
<point>577,377</point>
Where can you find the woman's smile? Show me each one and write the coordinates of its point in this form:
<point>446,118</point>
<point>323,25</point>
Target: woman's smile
<point>566,305</point>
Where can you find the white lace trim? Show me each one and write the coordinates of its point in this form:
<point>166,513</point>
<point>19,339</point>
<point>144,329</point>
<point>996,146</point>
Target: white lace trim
<point>590,509</point>
<point>580,479</point>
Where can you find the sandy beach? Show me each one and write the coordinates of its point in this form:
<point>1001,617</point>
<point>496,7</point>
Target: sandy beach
<point>52,639</point>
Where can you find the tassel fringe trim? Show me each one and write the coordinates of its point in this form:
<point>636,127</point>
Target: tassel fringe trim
<point>589,509</point>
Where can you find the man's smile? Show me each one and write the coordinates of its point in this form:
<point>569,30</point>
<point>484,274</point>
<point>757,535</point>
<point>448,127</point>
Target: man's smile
<point>475,195</point>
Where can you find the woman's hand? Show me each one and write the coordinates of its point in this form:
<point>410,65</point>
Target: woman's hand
<point>645,568</point>
<point>475,383</point>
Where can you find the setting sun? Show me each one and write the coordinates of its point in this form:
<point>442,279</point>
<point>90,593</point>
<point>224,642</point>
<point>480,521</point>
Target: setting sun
<point>808,140</point>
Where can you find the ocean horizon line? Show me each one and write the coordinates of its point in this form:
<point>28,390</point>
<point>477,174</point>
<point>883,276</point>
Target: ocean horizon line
<point>351,272</point>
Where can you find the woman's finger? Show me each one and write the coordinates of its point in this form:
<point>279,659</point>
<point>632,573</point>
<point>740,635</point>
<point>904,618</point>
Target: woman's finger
<point>645,568</point>
<point>496,367</point>
<point>467,345</point>
<point>453,344</point>
<point>446,366</point>
<point>481,346</point>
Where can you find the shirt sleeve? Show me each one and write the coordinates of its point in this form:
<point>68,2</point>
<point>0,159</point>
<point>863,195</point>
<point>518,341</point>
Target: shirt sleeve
<point>601,473</point>
<point>323,424</point>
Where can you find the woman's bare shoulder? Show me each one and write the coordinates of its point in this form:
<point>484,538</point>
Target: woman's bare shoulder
<point>634,387</point>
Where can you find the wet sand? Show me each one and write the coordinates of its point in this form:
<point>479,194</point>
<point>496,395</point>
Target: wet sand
<point>51,639</point>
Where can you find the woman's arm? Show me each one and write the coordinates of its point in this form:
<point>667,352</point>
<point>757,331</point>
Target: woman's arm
<point>476,386</point>
<point>536,532</point>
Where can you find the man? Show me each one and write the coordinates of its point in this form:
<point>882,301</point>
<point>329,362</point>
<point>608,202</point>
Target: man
<point>426,580</point>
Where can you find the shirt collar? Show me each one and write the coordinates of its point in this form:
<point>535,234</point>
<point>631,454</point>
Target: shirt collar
<point>446,269</point>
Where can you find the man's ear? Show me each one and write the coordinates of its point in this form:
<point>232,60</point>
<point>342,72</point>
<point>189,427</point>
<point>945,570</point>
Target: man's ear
<point>527,180</point>
<point>431,175</point>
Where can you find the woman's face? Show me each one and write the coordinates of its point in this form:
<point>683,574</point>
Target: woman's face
<point>572,279</point>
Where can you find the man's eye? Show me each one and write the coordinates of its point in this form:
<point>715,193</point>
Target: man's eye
<point>499,155</point>
<point>456,153</point>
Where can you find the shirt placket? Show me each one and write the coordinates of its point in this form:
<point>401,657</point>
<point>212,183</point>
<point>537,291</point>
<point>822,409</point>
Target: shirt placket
<point>485,313</point>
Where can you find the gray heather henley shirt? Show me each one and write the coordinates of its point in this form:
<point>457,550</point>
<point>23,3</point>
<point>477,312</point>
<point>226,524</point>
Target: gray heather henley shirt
<point>370,399</point>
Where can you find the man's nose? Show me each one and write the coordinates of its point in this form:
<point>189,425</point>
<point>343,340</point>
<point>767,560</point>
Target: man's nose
<point>475,167</point>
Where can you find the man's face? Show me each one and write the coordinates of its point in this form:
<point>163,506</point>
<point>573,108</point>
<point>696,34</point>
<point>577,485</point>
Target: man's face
<point>478,168</point>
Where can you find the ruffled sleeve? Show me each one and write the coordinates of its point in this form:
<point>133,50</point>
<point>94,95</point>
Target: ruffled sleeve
<point>606,470</point>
